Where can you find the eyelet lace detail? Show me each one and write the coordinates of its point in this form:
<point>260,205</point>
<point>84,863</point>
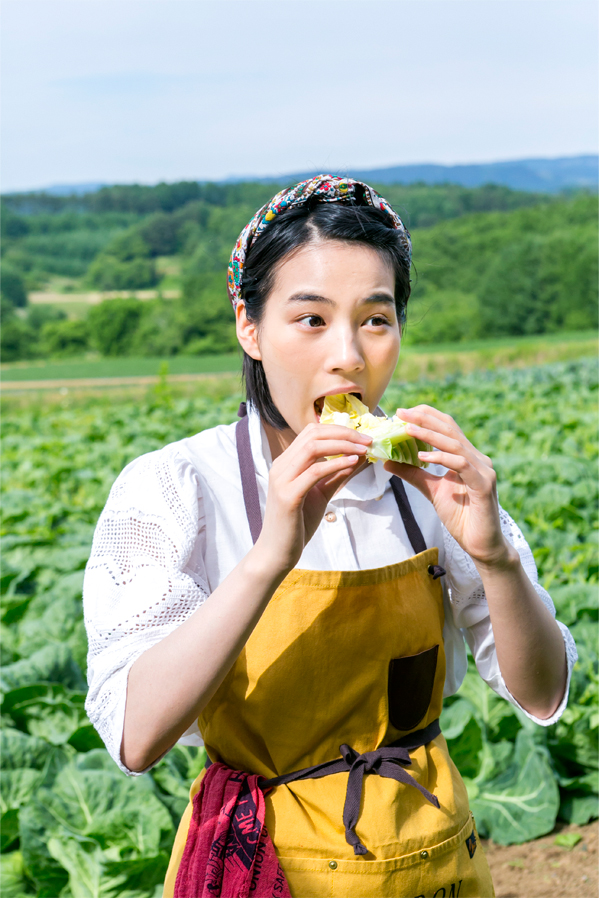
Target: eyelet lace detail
<point>136,555</point>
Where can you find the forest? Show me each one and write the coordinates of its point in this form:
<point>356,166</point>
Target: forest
<point>488,262</point>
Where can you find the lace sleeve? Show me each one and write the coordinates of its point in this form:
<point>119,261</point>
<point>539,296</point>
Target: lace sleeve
<point>471,612</point>
<point>144,577</point>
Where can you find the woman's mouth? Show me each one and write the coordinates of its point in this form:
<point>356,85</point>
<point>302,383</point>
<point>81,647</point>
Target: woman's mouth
<point>319,403</point>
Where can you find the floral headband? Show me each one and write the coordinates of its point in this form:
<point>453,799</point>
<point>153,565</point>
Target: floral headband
<point>326,189</point>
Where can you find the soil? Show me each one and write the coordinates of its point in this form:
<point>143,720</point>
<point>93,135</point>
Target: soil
<point>542,869</point>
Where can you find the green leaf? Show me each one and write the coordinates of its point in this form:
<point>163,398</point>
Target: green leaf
<point>465,751</point>
<point>84,861</point>
<point>455,717</point>
<point>47,710</point>
<point>20,750</point>
<point>122,816</point>
<point>12,876</point>
<point>9,829</point>
<point>575,601</point>
<point>85,739</point>
<point>28,764</point>
<point>175,774</point>
<point>490,710</point>
<point>522,803</point>
<point>579,808</point>
<point>17,786</point>
<point>53,664</point>
<point>567,840</point>
<point>93,875</point>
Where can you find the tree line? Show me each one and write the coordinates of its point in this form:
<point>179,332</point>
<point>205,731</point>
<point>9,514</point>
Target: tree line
<point>488,262</point>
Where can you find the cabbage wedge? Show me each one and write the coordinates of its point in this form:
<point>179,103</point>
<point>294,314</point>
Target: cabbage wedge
<point>390,442</point>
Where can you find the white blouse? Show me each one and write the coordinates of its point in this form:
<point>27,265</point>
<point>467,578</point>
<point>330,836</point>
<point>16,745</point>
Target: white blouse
<point>175,526</point>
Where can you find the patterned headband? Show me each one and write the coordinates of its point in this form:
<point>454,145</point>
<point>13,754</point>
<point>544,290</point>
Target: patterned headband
<point>325,189</point>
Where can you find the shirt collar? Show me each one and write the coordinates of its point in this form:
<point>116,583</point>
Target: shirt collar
<point>370,483</point>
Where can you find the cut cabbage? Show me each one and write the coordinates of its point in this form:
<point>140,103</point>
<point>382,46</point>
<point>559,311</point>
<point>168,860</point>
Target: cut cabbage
<point>390,441</point>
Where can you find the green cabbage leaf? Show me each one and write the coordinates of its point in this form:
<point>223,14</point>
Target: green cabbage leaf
<point>390,440</point>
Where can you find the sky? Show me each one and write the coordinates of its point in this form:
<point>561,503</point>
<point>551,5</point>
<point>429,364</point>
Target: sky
<point>122,91</point>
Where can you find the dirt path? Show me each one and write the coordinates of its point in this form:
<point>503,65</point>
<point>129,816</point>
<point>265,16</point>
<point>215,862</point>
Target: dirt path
<point>542,869</point>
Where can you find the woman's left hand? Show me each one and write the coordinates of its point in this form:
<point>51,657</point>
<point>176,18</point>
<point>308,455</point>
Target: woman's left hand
<point>466,497</point>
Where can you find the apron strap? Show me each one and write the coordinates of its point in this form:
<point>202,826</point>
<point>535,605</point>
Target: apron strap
<point>251,499</point>
<point>407,515</point>
<point>249,483</point>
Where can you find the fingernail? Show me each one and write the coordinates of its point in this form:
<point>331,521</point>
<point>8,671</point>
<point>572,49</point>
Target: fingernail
<point>424,455</point>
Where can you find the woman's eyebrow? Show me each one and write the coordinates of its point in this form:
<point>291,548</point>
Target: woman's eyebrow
<point>316,297</point>
<point>311,297</point>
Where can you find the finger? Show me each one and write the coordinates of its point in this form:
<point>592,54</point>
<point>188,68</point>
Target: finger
<point>331,431</point>
<point>470,474</point>
<point>420,413</point>
<point>314,451</point>
<point>455,445</point>
<point>315,433</point>
<point>423,480</point>
<point>320,471</point>
<point>431,430</point>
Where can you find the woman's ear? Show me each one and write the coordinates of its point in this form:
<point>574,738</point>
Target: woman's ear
<point>247,332</point>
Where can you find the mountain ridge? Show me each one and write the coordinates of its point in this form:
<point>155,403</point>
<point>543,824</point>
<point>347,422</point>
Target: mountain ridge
<point>536,175</point>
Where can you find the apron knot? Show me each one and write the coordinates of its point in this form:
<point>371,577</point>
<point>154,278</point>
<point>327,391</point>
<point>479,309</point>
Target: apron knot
<point>436,571</point>
<point>388,761</point>
<point>242,410</point>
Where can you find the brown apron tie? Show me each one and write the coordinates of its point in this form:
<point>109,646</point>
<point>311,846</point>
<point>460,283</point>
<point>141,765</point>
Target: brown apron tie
<point>388,761</point>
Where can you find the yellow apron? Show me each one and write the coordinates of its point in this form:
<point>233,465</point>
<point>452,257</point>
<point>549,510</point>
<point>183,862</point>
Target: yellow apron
<point>351,657</point>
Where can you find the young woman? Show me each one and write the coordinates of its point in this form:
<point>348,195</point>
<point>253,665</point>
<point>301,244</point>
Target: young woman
<point>304,611</point>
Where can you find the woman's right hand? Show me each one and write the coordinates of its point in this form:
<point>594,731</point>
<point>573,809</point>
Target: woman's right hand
<point>301,484</point>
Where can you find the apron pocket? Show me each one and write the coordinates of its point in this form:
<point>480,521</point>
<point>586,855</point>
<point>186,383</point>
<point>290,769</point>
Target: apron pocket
<point>410,688</point>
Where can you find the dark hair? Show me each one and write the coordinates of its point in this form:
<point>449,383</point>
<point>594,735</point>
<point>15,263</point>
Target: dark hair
<point>297,227</point>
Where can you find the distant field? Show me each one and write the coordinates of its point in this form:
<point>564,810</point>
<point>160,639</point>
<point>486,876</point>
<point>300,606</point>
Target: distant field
<point>67,369</point>
<point>415,361</point>
<point>93,298</point>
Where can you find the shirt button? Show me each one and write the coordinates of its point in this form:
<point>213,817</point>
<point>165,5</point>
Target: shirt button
<point>333,865</point>
<point>424,855</point>
<point>331,517</point>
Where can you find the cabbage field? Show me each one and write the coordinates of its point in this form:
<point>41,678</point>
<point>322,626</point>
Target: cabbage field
<point>72,824</point>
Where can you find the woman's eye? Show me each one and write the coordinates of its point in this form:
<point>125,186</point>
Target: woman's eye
<point>377,320</point>
<point>312,320</point>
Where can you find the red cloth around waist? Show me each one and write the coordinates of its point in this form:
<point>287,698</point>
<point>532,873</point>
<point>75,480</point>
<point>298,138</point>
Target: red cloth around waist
<point>228,850</point>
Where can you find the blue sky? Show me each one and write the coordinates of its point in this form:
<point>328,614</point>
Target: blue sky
<point>149,90</point>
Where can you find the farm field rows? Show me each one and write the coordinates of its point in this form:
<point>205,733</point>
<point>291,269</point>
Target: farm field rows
<point>72,824</point>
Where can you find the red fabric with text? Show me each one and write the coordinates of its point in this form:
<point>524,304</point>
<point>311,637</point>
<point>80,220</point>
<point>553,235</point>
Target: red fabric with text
<point>228,851</point>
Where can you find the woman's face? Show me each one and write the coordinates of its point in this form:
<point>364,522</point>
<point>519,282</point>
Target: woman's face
<point>329,326</point>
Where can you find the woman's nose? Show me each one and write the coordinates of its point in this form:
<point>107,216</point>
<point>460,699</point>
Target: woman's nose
<point>345,353</point>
